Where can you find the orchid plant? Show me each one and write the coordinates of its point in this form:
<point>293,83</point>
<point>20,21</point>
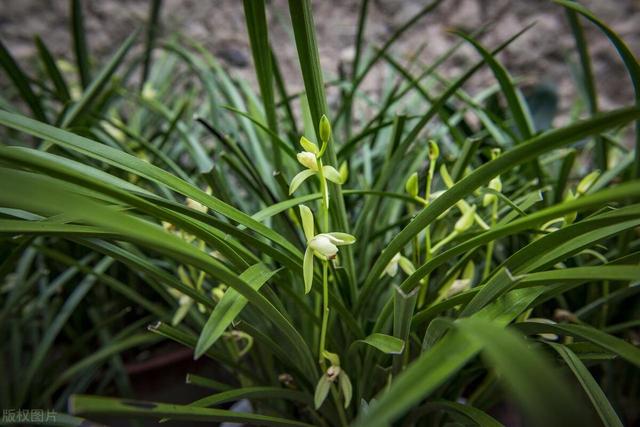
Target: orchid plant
<point>324,246</point>
<point>485,243</point>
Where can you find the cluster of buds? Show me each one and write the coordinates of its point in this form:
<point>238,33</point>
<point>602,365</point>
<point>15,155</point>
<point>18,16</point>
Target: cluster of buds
<point>311,158</point>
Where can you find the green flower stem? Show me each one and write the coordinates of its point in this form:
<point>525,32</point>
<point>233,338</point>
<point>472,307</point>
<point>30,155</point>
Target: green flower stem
<point>325,312</point>
<point>427,234</point>
<point>336,400</point>
<point>416,241</point>
<point>494,220</point>
<point>318,312</point>
<point>444,241</point>
<point>325,197</point>
<point>325,264</point>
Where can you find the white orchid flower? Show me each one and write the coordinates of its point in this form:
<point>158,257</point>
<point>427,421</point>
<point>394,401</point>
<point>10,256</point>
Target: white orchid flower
<point>309,159</point>
<point>398,260</point>
<point>323,245</point>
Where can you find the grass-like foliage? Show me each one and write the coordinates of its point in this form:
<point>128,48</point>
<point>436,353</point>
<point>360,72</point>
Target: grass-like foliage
<point>428,256</point>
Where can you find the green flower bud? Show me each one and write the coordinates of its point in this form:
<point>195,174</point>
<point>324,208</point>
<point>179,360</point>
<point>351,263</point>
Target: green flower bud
<point>411,186</point>
<point>466,220</point>
<point>587,182</point>
<point>325,129</point>
<point>344,172</point>
<point>434,151</point>
<point>494,184</point>
<point>333,358</point>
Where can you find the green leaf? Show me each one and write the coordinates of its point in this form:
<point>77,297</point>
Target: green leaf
<point>479,417</point>
<point>590,385</point>
<point>55,328</point>
<point>141,168</point>
<point>46,193</point>
<point>602,339</point>
<point>229,308</point>
<point>528,375</point>
<point>250,393</point>
<point>307,47</point>
<point>50,66</point>
<point>21,81</point>
<point>93,405</point>
<point>93,90</point>
<point>385,343</point>
<point>518,155</point>
<point>497,285</point>
<point>403,306</point>
<point>115,347</point>
<point>587,82</point>
<point>80,42</point>
<point>514,101</point>
<point>254,12</point>
<point>153,24</point>
<point>629,59</point>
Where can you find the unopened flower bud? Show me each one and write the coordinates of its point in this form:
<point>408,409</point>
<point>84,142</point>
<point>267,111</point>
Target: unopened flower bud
<point>496,185</point>
<point>308,159</point>
<point>325,129</point>
<point>411,186</point>
<point>344,172</point>
<point>434,151</point>
<point>587,182</point>
<point>466,220</point>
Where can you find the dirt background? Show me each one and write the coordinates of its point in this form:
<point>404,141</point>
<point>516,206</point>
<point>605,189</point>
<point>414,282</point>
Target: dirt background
<point>542,55</point>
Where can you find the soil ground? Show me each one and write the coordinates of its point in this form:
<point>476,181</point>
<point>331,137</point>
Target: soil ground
<point>542,55</point>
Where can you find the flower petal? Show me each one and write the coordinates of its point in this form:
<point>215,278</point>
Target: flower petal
<point>309,146</point>
<point>322,390</point>
<point>308,160</point>
<point>299,179</point>
<point>345,387</point>
<point>307,222</point>
<point>307,270</point>
<point>332,174</point>
<point>339,239</point>
<point>391,269</point>
<point>323,245</point>
<point>406,266</point>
